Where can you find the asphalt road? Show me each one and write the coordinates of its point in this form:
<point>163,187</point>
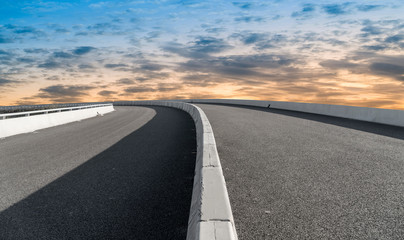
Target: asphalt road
<point>303,176</point>
<point>126,175</point>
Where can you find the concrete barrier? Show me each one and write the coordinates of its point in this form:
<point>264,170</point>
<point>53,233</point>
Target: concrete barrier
<point>376,115</point>
<point>23,122</point>
<point>210,213</point>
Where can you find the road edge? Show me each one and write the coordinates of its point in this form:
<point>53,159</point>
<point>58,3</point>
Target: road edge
<point>210,212</point>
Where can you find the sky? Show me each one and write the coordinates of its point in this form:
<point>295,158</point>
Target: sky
<point>332,52</point>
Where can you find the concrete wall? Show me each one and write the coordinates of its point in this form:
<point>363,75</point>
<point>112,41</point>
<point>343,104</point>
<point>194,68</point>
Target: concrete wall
<point>13,126</point>
<point>376,115</point>
<point>210,214</point>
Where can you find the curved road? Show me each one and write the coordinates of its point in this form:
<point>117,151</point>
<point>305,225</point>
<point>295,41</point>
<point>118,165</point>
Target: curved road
<point>126,175</point>
<point>294,175</point>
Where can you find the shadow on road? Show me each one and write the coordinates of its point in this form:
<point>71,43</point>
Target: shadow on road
<point>140,188</point>
<point>376,128</point>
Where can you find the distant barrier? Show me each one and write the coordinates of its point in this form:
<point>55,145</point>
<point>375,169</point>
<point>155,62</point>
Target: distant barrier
<point>376,115</point>
<point>47,111</point>
<point>26,108</point>
<point>23,122</point>
<point>210,214</point>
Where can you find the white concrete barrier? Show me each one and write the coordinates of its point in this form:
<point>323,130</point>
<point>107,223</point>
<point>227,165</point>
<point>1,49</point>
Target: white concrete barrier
<point>210,213</point>
<point>23,122</point>
<point>376,115</point>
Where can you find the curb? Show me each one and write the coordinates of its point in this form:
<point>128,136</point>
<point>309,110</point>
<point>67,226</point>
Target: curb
<point>210,214</point>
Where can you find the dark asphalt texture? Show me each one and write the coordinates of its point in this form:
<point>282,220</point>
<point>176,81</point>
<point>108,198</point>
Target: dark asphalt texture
<point>296,175</point>
<point>126,175</point>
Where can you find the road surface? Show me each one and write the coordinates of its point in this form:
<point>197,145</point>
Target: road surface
<point>126,175</point>
<point>303,176</point>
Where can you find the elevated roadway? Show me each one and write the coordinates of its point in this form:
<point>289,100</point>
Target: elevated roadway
<point>125,175</point>
<point>295,175</point>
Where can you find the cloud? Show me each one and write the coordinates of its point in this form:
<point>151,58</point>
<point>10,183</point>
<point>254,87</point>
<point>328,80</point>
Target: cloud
<point>124,81</point>
<point>388,69</point>
<point>118,65</point>
<point>382,35</point>
<point>100,26</point>
<point>336,9</point>
<point>104,28</point>
<point>209,45</point>
<point>66,90</point>
<point>82,34</point>
<point>24,30</point>
<point>306,12</point>
<point>4,81</point>
<point>62,30</point>
<point>99,5</point>
<point>106,93</point>
<point>371,30</point>
<point>224,45</point>
<point>151,75</point>
<point>134,41</point>
<point>25,101</point>
<point>338,64</point>
<point>53,78</point>
<point>5,39</point>
<point>243,5</point>
<point>249,19</point>
<point>74,53</point>
<point>202,47</point>
<point>85,66</point>
<point>376,47</point>
<point>177,48</point>
<point>201,79</point>
<point>369,7</point>
<point>50,64</point>
<point>83,50</point>
<point>215,29</point>
<point>261,40</point>
<point>62,55</point>
<point>394,38</point>
<point>101,29</point>
<point>192,78</point>
<point>142,79</point>
<point>252,38</point>
<point>45,6</point>
<point>139,89</point>
<point>25,60</point>
<point>5,55</point>
<point>152,35</point>
<point>243,68</point>
<point>160,87</point>
<point>64,93</point>
<point>191,3</point>
<point>168,87</point>
<point>135,20</point>
<point>151,67</point>
<point>35,50</point>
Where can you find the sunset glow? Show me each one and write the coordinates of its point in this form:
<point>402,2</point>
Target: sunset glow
<point>334,52</point>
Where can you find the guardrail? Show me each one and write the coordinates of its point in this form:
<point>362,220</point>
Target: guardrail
<point>375,115</point>
<point>30,121</point>
<point>26,108</point>
<point>47,111</point>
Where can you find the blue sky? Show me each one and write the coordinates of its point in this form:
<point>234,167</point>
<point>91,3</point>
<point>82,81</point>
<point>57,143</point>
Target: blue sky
<point>334,52</point>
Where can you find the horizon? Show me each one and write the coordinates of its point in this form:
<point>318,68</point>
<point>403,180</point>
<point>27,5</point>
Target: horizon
<point>326,52</point>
